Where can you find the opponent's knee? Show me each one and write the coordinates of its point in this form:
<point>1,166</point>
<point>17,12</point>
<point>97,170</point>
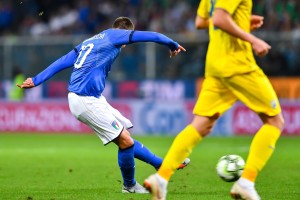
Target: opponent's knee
<point>277,121</point>
<point>281,122</point>
<point>203,125</point>
<point>203,130</point>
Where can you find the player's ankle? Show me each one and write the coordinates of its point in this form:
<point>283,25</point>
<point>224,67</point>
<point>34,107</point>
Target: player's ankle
<point>250,174</point>
<point>161,179</point>
<point>246,182</point>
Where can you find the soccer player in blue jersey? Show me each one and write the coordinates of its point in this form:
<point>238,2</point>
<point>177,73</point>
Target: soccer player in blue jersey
<point>92,61</point>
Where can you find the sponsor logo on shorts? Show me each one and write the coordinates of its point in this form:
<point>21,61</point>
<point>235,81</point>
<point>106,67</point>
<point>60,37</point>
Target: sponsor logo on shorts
<point>115,125</point>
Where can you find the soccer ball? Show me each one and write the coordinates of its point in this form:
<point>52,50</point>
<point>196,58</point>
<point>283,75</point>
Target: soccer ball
<point>230,167</point>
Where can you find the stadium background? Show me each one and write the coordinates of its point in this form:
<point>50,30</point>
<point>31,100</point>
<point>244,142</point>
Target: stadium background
<point>43,153</point>
<point>155,92</point>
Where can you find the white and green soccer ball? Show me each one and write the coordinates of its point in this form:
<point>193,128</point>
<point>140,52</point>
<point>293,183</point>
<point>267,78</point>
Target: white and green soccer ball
<point>230,167</point>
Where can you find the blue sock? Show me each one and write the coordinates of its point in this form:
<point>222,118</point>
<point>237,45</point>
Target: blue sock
<point>127,166</point>
<point>144,154</point>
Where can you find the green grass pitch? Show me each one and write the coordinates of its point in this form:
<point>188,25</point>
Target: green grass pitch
<point>71,167</point>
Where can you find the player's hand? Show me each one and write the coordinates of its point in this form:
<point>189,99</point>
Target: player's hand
<point>177,51</point>
<point>260,47</point>
<point>256,22</point>
<point>28,83</point>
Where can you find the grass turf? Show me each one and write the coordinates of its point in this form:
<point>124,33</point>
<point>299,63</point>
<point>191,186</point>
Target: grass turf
<point>71,167</point>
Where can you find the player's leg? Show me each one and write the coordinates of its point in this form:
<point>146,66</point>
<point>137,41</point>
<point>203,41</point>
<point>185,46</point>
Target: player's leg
<point>144,154</point>
<point>263,145</point>
<point>207,110</point>
<point>141,152</point>
<point>94,113</point>
<point>127,164</point>
<point>255,90</point>
<point>126,158</point>
<point>184,143</point>
<point>261,149</point>
<point>181,148</point>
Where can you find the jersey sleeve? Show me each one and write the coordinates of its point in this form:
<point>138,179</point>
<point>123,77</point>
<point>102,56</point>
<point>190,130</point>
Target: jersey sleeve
<point>148,36</point>
<point>120,37</point>
<point>62,63</point>
<point>77,48</point>
<point>202,10</point>
<point>229,5</point>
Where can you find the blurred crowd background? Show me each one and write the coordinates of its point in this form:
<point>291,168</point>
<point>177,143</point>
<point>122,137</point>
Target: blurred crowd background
<point>87,17</point>
<point>71,21</point>
<point>34,33</point>
<point>60,17</point>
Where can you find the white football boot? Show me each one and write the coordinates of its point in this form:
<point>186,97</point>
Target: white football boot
<point>137,188</point>
<point>245,193</point>
<point>157,186</point>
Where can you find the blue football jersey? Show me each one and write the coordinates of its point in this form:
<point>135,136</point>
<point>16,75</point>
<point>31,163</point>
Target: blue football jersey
<point>95,58</point>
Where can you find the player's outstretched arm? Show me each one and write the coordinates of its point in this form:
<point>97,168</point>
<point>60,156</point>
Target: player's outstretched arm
<point>59,65</point>
<point>148,36</point>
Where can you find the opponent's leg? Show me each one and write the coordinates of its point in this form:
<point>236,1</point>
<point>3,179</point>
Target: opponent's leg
<point>210,104</point>
<point>184,143</point>
<point>181,148</point>
<point>263,145</point>
<point>256,92</point>
<point>261,149</point>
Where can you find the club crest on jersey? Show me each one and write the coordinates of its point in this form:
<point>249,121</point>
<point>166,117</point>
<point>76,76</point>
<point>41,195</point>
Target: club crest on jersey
<point>273,104</point>
<point>115,125</point>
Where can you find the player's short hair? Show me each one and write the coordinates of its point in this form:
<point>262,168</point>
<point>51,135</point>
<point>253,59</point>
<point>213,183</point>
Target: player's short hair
<point>123,23</point>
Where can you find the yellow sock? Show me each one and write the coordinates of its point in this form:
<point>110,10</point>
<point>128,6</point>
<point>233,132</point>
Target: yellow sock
<point>261,149</point>
<point>181,148</point>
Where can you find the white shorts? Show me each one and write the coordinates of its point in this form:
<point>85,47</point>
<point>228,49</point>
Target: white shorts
<point>98,114</point>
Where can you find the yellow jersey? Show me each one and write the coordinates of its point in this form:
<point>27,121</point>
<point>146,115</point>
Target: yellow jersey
<point>228,55</point>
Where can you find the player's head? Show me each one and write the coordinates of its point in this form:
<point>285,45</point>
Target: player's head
<point>123,23</point>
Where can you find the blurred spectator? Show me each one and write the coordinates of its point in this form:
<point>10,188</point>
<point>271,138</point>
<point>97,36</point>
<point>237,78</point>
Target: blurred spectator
<point>63,19</point>
<point>6,16</point>
<point>15,93</point>
<point>39,28</point>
